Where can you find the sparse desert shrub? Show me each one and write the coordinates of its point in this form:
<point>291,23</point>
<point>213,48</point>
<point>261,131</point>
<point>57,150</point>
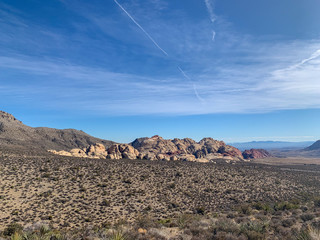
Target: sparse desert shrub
<point>145,222</point>
<point>127,181</point>
<point>252,235</point>
<point>285,206</point>
<point>317,202</point>
<point>263,206</point>
<point>245,209</point>
<point>105,203</point>
<point>307,217</point>
<point>12,228</point>
<point>200,210</point>
<point>165,222</point>
<point>147,209</point>
<point>173,205</point>
<point>253,230</point>
<point>225,225</point>
<point>289,222</point>
<point>183,220</point>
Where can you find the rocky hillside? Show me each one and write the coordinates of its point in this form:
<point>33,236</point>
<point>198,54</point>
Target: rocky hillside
<point>255,154</point>
<point>15,135</point>
<point>157,148</point>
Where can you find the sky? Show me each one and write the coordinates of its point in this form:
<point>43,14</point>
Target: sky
<point>121,69</point>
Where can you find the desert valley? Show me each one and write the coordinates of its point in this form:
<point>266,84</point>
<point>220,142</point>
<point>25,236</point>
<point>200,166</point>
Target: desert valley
<point>65,184</point>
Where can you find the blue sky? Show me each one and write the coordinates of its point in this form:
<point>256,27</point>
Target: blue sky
<point>120,69</point>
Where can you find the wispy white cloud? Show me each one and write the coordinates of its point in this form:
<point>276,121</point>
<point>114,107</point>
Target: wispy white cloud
<point>213,35</point>
<point>232,90</point>
<point>210,10</point>
<point>212,16</point>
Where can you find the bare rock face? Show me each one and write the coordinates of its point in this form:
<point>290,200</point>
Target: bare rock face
<point>119,151</point>
<point>61,153</point>
<point>97,151</point>
<point>77,152</point>
<point>255,154</point>
<point>116,151</point>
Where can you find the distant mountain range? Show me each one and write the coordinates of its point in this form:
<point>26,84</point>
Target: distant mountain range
<point>270,145</point>
<point>314,147</point>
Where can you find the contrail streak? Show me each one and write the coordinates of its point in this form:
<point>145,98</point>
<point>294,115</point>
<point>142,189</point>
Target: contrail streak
<point>194,86</point>
<point>184,74</point>
<point>197,94</point>
<point>210,10</point>
<point>164,52</point>
<point>145,32</point>
<point>313,56</point>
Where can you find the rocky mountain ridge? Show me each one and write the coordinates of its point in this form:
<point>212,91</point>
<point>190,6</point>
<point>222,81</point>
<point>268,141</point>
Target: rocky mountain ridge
<point>16,135</point>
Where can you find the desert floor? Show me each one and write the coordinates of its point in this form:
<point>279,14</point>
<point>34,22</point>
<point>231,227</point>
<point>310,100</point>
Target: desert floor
<point>73,192</point>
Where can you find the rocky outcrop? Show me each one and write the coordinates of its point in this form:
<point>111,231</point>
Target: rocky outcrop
<point>119,151</point>
<point>8,117</point>
<point>61,153</point>
<point>116,151</point>
<point>255,154</point>
<point>97,150</point>
<point>157,148</point>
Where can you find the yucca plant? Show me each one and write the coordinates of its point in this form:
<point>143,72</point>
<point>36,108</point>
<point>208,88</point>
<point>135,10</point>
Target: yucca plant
<point>118,235</point>
<point>310,233</point>
<point>16,236</point>
<point>314,233</point>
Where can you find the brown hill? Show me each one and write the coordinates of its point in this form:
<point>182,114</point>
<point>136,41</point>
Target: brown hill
<point>15,135</point>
